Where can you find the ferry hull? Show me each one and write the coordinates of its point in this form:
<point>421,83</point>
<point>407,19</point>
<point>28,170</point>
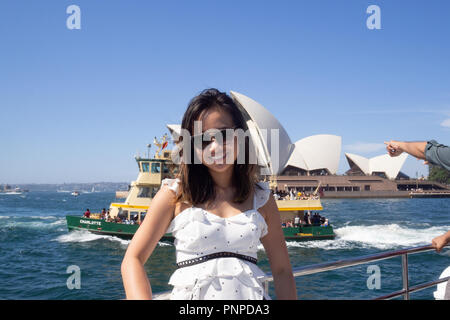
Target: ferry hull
<point>309,233</point>
<point>127,231</point>
<point>98,226</point>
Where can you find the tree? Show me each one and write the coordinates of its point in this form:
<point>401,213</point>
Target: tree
<point>438,174</point>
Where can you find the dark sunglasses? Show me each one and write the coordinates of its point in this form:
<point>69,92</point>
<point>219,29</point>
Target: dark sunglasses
<point>206,137</point>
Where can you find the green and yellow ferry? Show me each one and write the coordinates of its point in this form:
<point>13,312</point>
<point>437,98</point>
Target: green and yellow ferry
<point>296,217</point>
<point>124,218</point>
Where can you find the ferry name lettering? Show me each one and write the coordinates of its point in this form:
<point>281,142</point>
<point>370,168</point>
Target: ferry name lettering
<point>98,223</point>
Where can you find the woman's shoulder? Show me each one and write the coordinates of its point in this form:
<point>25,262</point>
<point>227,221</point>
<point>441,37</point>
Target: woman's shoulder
<point>174,185</point>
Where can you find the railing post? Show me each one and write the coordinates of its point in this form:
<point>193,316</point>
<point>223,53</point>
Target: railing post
<point>266,287</point>
<point>405,276</point>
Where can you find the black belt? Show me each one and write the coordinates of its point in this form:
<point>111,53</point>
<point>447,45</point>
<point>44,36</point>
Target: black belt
<point>190,262</point>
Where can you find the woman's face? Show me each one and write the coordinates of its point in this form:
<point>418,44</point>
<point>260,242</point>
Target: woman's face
<point>217,156</point>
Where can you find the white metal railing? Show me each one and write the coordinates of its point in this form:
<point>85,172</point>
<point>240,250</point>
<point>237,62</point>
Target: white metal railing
<point>328,266</point>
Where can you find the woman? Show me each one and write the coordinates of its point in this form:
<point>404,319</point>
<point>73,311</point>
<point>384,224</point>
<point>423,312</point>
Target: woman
<point>217,213</point>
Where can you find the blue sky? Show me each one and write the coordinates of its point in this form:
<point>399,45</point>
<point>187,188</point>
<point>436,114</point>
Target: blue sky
<point>77,105</point>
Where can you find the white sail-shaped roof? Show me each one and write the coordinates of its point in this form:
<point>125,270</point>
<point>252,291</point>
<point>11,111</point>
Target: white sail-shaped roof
<point>391,166</point>
<point>174,130</point>
<point>268,135</point>
<point>317,152</point>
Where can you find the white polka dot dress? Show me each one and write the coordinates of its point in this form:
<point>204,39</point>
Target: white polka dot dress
<point>198,232</point>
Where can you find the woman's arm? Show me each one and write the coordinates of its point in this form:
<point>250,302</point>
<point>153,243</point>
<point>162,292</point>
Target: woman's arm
<point>155,224</point>
<point>276,250</point>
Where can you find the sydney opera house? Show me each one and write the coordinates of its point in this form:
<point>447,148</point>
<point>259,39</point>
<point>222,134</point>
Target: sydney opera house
<point>312,161</point>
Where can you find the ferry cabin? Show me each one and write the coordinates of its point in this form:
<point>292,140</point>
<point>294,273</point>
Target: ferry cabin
<point>151,173</point>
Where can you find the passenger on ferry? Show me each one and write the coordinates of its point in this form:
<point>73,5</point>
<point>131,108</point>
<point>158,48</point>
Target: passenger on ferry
<point>296,221</point>
<point>316,219</point>
<point>103,214</point>
<point>307,220</point>
<point>291,195</point>
<point>87,214</point>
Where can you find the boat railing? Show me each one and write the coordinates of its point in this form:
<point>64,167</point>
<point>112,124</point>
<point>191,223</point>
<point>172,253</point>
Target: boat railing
<point>329,266</point>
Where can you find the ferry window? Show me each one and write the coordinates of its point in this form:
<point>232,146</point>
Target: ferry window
<point>156,167</point>
<point>145,167</point>
<point>144,192</point>
<point>367,188</point>
<point>165,168</point>
<point>123,214</point>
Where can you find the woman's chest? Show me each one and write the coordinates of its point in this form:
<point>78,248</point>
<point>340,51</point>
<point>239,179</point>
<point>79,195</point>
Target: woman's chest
<point>241,232</point>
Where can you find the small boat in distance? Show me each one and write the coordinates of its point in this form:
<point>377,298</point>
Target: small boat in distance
<point>75,193</point>
<point>6,189</point>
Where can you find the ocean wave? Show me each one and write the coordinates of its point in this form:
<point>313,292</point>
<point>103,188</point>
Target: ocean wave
<point>35,225</point>
<point>80,236</point>
<point>43,217</point>
<point>383,237</point>
<point>390,235</point>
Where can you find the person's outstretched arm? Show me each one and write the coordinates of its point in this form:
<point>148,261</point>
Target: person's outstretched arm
<point>275,246</point>
<point>439,242</point>
<point>157,220</point>
<point>416,149</point>
<point>431,151</point>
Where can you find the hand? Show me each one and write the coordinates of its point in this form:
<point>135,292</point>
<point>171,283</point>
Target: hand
<point>393,148</point>
<point>439,242</point>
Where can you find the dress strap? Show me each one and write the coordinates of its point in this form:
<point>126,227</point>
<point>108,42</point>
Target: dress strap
<point>262,193</point>
<point>172,184</point>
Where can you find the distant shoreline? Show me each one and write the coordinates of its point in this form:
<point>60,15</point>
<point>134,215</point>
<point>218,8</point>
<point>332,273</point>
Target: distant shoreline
<point>97,186</point>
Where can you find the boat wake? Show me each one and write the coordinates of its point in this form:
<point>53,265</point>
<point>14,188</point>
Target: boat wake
<point>33,223</point>
<point>383,237</point>
<point>86,236</point>
<point>79,236</point>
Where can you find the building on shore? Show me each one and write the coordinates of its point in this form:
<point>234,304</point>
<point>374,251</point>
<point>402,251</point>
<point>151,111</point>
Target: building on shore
<point>313,161</point>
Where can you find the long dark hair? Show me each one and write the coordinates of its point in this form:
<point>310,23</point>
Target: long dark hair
<point>197,185</point>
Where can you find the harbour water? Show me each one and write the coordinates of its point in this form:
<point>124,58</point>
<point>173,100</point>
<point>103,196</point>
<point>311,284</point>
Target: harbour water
<point>36,249</point>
